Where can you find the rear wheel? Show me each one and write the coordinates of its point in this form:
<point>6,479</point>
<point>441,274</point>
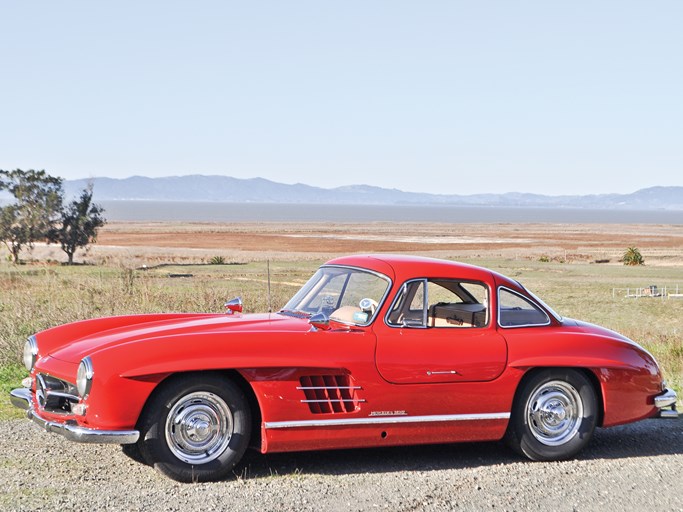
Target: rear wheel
<point>553,416</point>
<point>196,428</point>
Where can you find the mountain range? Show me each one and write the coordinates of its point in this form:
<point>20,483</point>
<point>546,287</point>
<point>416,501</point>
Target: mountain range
<point>259,190</point>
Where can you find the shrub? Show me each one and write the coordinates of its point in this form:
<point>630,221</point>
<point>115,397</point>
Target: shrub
<point>632,257</point>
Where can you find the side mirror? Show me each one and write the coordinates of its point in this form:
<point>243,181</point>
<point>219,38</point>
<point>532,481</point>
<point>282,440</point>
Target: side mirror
<point>233,306</point>
<point>320,321</point>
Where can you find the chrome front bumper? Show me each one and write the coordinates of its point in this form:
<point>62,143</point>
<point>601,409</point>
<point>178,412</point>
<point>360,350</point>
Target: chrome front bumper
<point>21,398</point>
<point>666,403</point>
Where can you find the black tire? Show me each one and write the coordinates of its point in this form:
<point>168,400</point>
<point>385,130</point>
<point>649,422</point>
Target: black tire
<point>554,415</point>
<point>196,427</point>
<point>132,451</point>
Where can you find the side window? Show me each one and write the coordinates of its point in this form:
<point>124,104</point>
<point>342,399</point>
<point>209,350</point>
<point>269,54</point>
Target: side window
<point>408,309</point>
<point>442,303</point>
<point>514,310</point>
<point>457,304</point>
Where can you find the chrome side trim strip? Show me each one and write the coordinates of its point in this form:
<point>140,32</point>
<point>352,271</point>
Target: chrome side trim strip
<point>336,400</point>
<point>328,387</point>
<point>387,420</point>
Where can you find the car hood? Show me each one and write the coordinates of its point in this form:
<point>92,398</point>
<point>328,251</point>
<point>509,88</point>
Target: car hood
<point>138,330</point>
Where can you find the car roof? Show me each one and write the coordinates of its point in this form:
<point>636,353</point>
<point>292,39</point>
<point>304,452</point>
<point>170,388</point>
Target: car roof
<point>401,267</point>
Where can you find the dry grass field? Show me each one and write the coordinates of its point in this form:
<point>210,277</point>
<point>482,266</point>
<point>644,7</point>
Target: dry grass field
<point>663,244</point>
<point>134,269</point>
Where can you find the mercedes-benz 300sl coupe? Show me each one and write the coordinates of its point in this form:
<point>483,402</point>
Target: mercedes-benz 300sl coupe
<point>374,350</point>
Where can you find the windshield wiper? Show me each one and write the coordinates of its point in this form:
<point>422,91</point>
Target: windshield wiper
<point>295,313</point>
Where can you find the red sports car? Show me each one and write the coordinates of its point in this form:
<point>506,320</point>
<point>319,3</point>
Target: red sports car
<point>374,350</point>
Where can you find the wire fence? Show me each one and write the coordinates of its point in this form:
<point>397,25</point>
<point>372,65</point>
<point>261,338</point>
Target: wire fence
<point>652,291</point>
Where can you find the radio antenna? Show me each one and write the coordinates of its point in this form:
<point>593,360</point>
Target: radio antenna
<point>270,308</point>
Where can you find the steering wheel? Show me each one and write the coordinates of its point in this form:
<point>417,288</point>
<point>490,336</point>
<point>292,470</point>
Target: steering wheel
<point>368,305</point>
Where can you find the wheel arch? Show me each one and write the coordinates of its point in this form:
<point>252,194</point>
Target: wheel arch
<point>587,372</point>
<point>235,377</point>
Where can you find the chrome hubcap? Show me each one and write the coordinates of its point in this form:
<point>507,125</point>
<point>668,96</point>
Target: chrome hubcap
<point>554,413</point>
<point>199,427</point>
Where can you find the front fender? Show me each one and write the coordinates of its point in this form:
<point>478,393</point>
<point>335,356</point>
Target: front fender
<point>126,374</point>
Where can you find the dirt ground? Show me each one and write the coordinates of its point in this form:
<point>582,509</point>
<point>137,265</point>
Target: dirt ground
<point>632,467</point>
<point>661,243</point>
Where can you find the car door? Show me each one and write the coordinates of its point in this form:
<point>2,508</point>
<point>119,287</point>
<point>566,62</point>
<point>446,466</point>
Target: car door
<point>440,331</point>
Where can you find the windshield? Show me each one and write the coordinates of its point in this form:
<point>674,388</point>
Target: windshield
<point>347,295</point>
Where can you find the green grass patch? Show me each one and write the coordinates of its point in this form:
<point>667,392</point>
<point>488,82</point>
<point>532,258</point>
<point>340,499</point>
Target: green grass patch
<point>11,376</point>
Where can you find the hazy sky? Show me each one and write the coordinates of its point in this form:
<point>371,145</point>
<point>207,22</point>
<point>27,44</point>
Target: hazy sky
<point>426,96</point>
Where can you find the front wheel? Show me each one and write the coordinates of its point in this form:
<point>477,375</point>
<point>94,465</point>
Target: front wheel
<point>196,428</point>
<point>553,416</point>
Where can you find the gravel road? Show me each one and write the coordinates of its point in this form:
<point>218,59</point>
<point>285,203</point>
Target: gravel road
<point>633,467</point>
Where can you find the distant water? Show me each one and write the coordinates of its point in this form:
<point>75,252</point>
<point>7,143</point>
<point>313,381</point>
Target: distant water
<point>268,212</point>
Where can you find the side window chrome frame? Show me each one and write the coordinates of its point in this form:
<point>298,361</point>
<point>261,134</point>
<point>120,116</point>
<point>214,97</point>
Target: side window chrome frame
<point>399,294</point>
<point>525,298</point>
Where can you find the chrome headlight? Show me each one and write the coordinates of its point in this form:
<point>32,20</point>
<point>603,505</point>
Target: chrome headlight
<point>84,377</point>
<point>30,352</point>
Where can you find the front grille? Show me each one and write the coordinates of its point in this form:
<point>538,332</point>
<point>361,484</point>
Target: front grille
<point>326,394</point>
<point>55,395</point>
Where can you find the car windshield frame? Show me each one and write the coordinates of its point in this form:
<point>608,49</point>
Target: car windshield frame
<point>309,292</point>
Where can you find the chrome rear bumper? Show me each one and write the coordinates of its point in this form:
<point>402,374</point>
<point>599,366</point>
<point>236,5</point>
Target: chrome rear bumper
<point>21,398</point>
<point>666,403</point>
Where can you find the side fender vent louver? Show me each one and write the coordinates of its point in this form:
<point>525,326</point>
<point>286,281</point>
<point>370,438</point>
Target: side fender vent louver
<point>329,394</point>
